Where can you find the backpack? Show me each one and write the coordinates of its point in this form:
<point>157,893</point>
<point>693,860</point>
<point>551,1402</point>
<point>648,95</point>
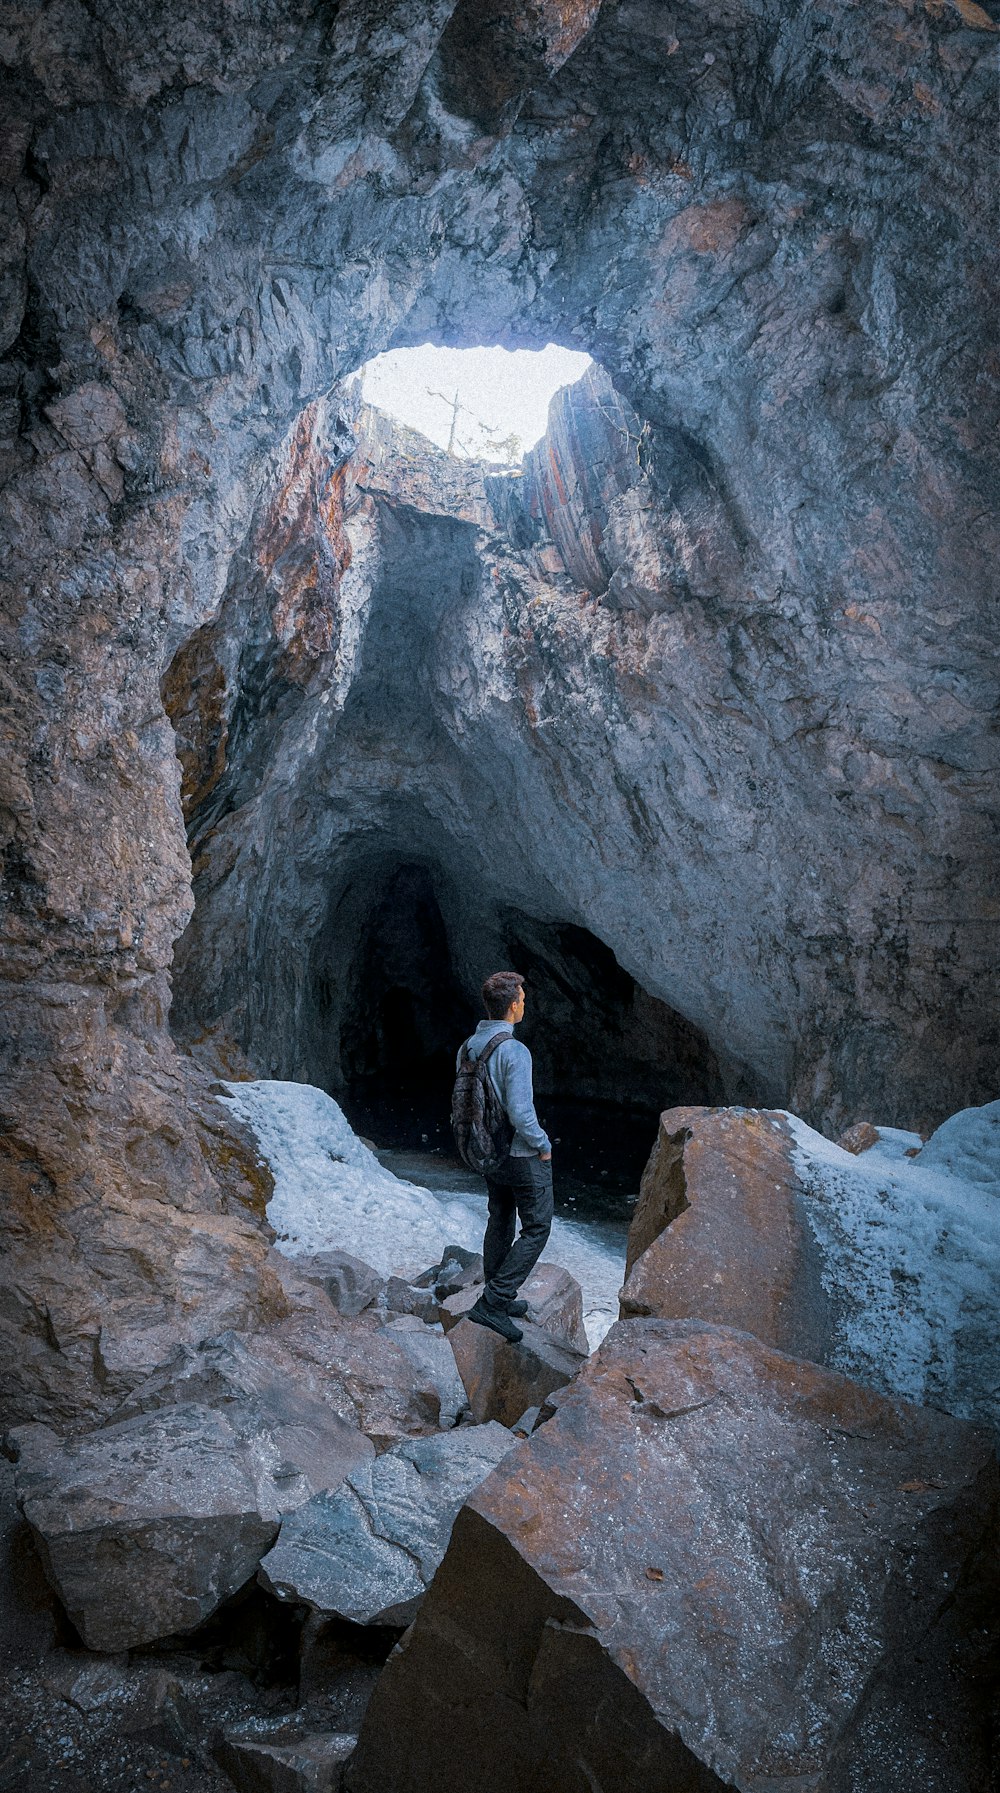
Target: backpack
<point>483,1134</point>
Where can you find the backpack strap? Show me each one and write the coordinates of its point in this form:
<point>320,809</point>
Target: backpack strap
<point>484,1056</point>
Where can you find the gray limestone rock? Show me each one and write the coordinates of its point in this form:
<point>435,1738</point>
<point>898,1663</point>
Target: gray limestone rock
<point>368,1550</point>
<point>428,1349</point>
<point>350,1284</point>
<point>146,1526</point>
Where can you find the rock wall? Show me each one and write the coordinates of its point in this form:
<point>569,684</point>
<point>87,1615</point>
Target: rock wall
<point>761,741</point>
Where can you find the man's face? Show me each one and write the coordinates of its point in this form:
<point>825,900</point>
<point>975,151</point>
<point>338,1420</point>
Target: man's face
<point>517,1008</point>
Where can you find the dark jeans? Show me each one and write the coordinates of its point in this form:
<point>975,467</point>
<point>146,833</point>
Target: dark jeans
<point>521,1189</point>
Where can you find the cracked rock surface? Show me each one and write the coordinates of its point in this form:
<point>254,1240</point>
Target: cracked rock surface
<point>368,1550</point>
<point>764,1576</point>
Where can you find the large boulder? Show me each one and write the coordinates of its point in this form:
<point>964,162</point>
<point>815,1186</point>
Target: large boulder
<point>718,1231</point>
<point>147,1525</point>
<point>355,1370</point>
<point>368,1550</point>
<point>555,1303</point>
<point>885,1265</point>
<point>503,1380</point>
<point>714,1568</point>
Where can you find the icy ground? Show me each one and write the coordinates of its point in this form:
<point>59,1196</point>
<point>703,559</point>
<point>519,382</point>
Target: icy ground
<point>911,1250</point>
<point>331,1191</point>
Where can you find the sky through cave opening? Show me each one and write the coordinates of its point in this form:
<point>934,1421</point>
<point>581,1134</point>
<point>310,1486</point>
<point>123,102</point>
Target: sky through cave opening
<point>484,403</point>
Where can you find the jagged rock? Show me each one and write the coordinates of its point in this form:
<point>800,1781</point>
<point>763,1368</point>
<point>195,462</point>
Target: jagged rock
<point>503,1380</point>
<point>165,1710</point>
<point>405,1298</point>
<point>555,1304</point>
<point>459,1269</point>
<point>717,1233</point>
<point>303,1370</point>
<point>350,1284</point>
<point>368,1550</point>
<point>750,1219</point>
<point>429,1350</point>
<point>284,1759</point>
<point>455,1307</point>
<point>716,1567</point>
<point>529,1420</point>
<point>146,1526</point>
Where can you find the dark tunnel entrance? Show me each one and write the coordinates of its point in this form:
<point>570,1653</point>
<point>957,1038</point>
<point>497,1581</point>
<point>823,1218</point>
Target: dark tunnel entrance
<point>608,1057</point>
<point>405,1007</point>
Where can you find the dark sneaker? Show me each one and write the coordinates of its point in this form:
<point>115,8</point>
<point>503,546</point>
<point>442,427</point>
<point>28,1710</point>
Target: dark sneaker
<point>517,1309</point>
<point>497,1320</point>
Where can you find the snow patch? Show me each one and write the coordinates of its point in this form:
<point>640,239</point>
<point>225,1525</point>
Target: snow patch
<point>331,1192</point>
<point>911,1258</point>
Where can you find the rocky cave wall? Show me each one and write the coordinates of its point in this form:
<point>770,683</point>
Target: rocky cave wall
<point>387,834</point>
<point>761,724</point>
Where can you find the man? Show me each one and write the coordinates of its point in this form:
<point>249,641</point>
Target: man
<point>522,1187</point>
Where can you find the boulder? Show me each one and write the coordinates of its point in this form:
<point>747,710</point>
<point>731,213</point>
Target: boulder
<point>718,1233</point>
<point>83,1680</point>
<point>284,1759</point>
<point>147,1525</point>
<point>555,1303</point>
<point>365,1373</point>
<point>879,1264</point>
<point>503,1380</point>
<point>349,1284</point>
<point>368,1550</point>
<point>715,1568</point>
<point>459,1269</point>
<point>313,1364</point>
<point>427,1348</point>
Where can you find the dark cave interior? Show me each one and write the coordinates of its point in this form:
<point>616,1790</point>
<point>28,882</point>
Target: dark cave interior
<point>608,1057</point>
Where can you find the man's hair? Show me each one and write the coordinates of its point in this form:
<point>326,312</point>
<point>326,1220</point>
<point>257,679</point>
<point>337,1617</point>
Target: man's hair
<point>500,992</point>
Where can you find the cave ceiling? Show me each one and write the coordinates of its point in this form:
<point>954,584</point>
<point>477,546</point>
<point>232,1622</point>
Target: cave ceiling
<point>746,731</point>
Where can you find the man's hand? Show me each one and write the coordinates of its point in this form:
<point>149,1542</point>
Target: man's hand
<point>546,1157</point>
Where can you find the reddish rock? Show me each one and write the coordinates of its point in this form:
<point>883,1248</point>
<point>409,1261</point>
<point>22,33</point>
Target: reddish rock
<point>502,1381</point>
<point>555,1304</point>
<point>718,1233</point>
<point>715,1568</point>
<point>859,1138</point>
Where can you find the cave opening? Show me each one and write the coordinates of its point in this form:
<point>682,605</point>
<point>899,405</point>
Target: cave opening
<point>360,855</point>
<point>608,1057</point>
